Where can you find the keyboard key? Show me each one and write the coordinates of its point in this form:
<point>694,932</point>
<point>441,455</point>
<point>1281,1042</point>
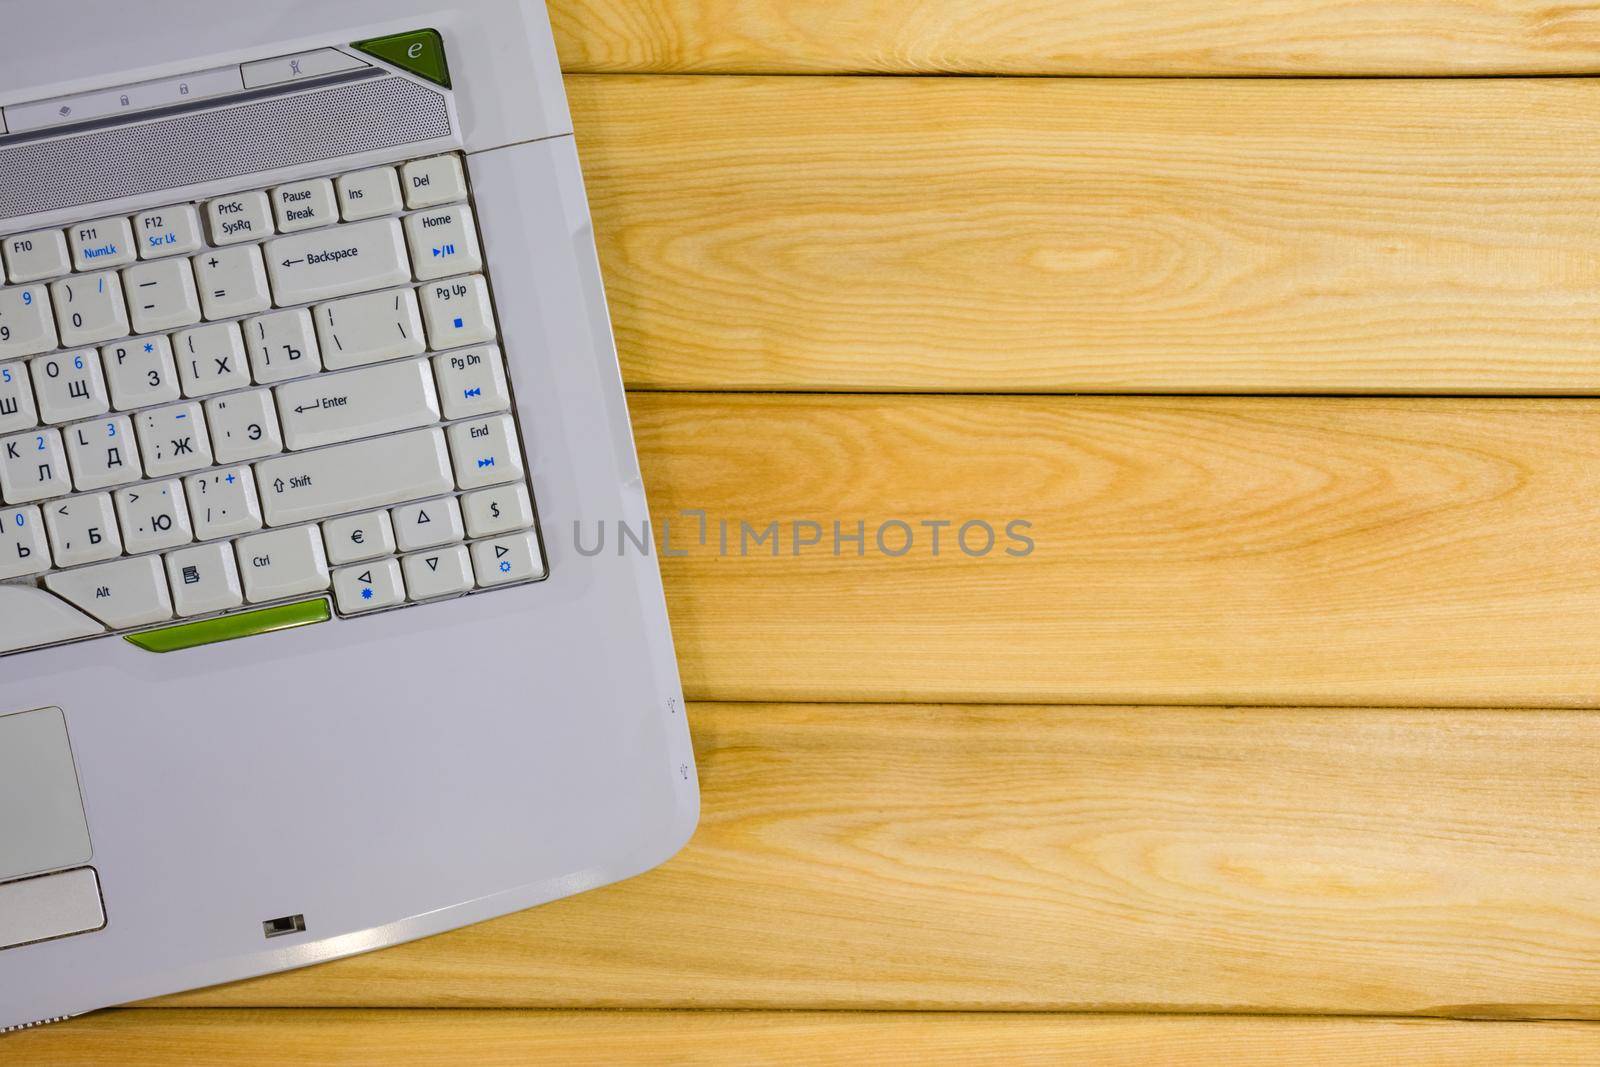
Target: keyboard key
<point>338,261</point>
<point>244,426</point>
<point>369,587</point>
<point>167,231</point>
<point>102,243</point>
<point>433,181</point>
<point>307,486</point>
<point>305,205</point>
<point>102,453</point>
<point>140,372</point>
<point>282,563</point>
<point>223,503</point>
<point>331,408</point>
<point>500,560</point>
<point>211,359</point>
<point>444,241</point>
<point>298,65</point>
<point>366,194</point>
<point>457,312</point>
<point>498,510</point>
<point>31,617</point>
<point>241,217</point>
<point>447,572</point>
<point>232,282</point>
<point>83,530</point>
<point>173,440</point>
<point>90,309</point>
<point>282,346</point>
<point>154,517</point>
<point>26,325</point>
<point>17,409</point>
<point>41,254</point>
<point>486,452</point>
<point>370,329</point>
<point>204,579</point>
<point>23,549</point>
<point>69,386</point>
<point>472,382</point>
<point>33,466</point>
<point>161,295</point>
<point>128,592</point>
<point>430,523</point>
<point>357,537</point>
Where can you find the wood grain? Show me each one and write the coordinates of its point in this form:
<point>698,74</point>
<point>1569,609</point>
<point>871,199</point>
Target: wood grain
<point>1103,236</point>
<point>1153,37</point>
<point>891,856</point>
<point>1222,550</point>
<point>448,1039</point>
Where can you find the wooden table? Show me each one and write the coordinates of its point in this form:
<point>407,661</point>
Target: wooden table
<point>1279,747</point>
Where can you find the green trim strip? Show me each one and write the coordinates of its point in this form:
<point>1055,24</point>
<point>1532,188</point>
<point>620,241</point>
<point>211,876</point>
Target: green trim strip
<point>232,627</point>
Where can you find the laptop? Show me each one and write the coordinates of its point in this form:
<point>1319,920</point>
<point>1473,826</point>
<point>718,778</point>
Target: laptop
<point>306,387</point>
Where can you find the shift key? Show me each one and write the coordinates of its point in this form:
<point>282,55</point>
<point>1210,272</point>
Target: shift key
<point>359,476</point>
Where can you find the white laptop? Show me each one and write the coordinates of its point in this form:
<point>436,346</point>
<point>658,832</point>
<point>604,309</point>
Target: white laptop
<point>306,385</point>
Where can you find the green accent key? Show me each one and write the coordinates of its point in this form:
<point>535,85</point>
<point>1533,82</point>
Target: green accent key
<point>421,52</point>
<point>232,627</point>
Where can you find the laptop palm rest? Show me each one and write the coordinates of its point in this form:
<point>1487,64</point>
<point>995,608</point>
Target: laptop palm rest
<point>42,829</point>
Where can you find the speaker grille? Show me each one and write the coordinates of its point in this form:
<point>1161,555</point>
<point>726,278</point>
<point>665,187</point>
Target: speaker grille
<point>211,145</point>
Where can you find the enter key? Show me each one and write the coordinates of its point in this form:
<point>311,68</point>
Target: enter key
<point>331,408</point>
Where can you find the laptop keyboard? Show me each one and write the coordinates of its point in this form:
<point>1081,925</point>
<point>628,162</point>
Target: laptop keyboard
<point>260,398</point>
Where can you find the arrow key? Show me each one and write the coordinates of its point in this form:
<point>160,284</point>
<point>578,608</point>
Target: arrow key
<point>369,587</point>
<point>442,572</point>
<point>504,560</point>
<point>428,524</point>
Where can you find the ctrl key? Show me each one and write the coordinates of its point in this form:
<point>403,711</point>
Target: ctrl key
<point>504,560</point>
<point>369,587</point>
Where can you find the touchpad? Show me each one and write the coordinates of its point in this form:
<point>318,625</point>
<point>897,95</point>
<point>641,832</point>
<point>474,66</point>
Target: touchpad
<point>42,827</point>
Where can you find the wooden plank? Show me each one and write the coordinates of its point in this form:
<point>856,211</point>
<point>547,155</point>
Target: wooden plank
<point>1105,236</point>
<point>1202,550</point>
<point>1121,859</point>
<point>1154,37</point>
<point>450,1038</point>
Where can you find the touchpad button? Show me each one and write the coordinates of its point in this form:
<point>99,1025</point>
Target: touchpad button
<point>50,906</point>
<point>42,827</point>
